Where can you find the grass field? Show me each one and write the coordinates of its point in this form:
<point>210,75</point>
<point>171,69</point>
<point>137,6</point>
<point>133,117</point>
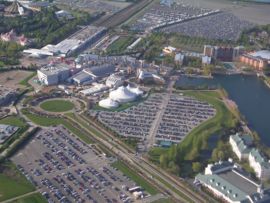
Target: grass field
<point>136,178</point>
<point>34,198</point>
<point>57,105</point>
<point>12,183</point>
<point>13,120</point>
<point>120,45</point>
<point>48,121</point>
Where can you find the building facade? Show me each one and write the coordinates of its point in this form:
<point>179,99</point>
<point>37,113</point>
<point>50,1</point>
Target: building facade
<point>260,165</point>
<point>241,145</point>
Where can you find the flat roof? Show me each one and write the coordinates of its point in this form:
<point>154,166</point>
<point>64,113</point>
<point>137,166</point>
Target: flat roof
<point>239,182</point>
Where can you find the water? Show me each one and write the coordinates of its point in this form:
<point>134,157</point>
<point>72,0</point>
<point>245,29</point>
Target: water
<point>250,94</point>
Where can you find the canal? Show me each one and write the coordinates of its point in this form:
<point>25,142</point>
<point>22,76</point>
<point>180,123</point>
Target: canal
<point>250,94</point>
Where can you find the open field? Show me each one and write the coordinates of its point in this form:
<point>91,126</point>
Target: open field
<point>120,45</point>
<point>253,12</point>
<point>57,105</point>
<point>35,198</point>
<point>12,79</point>
<point>12,183</point>
<point>132,175</point>
<point>12,120</point>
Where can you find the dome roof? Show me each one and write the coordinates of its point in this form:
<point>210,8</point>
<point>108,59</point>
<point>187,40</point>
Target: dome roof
<point>135,90</point>
<point>122,95</point>
<point>108,103</point>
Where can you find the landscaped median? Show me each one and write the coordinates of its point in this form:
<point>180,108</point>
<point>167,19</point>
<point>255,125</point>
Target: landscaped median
<point>47,121</point>
<point>136,178</point>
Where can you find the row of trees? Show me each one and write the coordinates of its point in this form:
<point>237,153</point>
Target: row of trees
<point>9,53</point>
<point>44,26</point>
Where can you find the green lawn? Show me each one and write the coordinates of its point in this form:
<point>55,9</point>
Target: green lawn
<point>136,178</point>
<point>57,105</point>
<point>48,121</point>
<point>13,120</point>
<point>120,45</point>
<point>12,183</point>
<point>34,198</point>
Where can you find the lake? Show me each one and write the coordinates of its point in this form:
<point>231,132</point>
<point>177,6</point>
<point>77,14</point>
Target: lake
<point>250,94</point>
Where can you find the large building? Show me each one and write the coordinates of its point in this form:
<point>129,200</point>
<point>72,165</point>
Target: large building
<point>229,182</point>
<point>122,95</point>
<point>114,80</point>
<point>108,103</point>
<point>77,42</point>
<point>241,145</point>
<point>258,60</point>
<point>92,74</point>
<point>225,54</point>
<point>53,74</point>
<point>260,164</point>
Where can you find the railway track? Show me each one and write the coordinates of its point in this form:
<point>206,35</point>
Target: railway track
<point>121,16</point>
<point>149,167</point>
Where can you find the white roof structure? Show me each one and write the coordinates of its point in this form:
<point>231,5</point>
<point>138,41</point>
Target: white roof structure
<point>122,95</point>
<point>108,103</point>
<point>97,88</point>
<point>265,54</point>
<point>135,90</point>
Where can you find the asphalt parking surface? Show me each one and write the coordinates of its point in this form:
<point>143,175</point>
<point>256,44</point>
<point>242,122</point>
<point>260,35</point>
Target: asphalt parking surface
<point>65,169</point>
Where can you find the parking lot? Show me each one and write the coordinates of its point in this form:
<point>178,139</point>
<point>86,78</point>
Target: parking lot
<point>224,25</point>
<point>182,114</point>
<point>65,169</point>
<point>159,15</point>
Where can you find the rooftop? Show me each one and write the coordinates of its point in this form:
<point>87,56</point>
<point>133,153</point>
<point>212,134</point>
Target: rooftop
<point>264,54</point>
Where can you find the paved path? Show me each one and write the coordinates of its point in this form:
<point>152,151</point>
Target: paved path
<point>159,116</point>
<point>21,196</point>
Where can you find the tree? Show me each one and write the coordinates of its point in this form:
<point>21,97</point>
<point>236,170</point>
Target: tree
<point>215,155</point>
<point>196,167</point>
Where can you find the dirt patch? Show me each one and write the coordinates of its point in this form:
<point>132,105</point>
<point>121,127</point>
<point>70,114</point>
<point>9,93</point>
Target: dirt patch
<point>12,78</point>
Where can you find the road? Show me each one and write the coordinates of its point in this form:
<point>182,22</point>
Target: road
<point>159,116</point>
<point>20,197</point>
